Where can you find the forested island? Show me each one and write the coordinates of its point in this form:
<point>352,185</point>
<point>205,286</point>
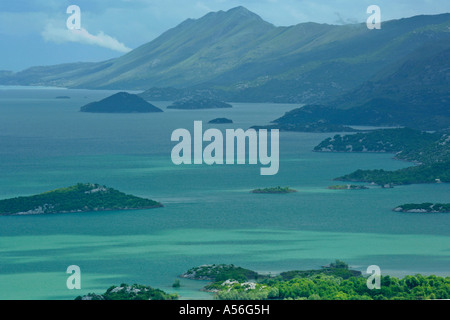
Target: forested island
<point>198,102</point>
<point>121,102</point>
<point>274,190</point>
<point>424,208</point>
<point>85,197</point>
<point>429,151</point>
<point>219,272</point>
<point>335,281</point>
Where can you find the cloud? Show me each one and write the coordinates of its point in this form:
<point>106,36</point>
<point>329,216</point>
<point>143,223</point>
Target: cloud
<point>61,35</point>
<point>342,21</point>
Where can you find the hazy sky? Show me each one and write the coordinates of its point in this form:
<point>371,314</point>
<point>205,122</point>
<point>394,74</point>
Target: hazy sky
<point>33,32</point>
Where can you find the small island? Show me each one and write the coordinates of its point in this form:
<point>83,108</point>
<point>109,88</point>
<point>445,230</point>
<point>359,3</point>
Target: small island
<point>198,102</point>
<point>275,190</point>
<point>62,97</point>
<point>347,187</point>
<point>424,208</point>
<point>121,102</point>
<point>85,197</point>
<point>221,121</point>
<point>219,272</point>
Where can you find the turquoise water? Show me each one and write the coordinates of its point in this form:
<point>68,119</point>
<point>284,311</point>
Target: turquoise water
<point>209,214</point>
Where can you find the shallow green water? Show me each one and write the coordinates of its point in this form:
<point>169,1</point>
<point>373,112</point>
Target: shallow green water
<point>209,214</point>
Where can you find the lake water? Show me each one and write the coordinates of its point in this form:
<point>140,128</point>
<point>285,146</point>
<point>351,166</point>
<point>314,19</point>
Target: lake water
<point>209,215</point>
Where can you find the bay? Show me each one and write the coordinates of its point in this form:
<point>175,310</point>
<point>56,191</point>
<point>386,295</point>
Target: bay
<point>209,215</point>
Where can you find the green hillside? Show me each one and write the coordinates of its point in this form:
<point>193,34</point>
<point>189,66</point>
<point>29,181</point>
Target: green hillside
<point>413,92</point>
<point>237,56</point>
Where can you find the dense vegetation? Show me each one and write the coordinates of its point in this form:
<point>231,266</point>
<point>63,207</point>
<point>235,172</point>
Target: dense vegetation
<point>134,292</point>
<point>121,102</point>
<point>337,268</point>
<point>330,287</point>
<point>430,150</point>
<point>275,190</point>
<point>424,208</point>
<point>78,198</point>
<point>334,282</point>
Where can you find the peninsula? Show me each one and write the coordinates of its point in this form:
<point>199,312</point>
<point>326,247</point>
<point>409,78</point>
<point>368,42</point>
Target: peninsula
<point>429,151</point>
<point>85,197</point>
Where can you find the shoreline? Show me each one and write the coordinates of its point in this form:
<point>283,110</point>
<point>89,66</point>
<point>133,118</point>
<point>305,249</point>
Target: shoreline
<point>80,211</point>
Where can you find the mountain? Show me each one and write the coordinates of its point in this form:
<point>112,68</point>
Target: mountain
<point>413,92</point>
<point>121,102</point>
<point>237,56</point>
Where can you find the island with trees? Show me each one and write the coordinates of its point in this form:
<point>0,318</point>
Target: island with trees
<point>333,282</point>
<point>424,208</point>
<point>83,197</point>
<point>275,190</point>
<point>219,272</point>
<point>121,102</point>
<point>336,281</point>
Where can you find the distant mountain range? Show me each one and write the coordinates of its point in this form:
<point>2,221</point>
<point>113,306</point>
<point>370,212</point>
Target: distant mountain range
<point>237,56</point>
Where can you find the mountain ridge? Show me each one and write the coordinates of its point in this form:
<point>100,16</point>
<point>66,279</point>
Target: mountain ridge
<point>238,56</point>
